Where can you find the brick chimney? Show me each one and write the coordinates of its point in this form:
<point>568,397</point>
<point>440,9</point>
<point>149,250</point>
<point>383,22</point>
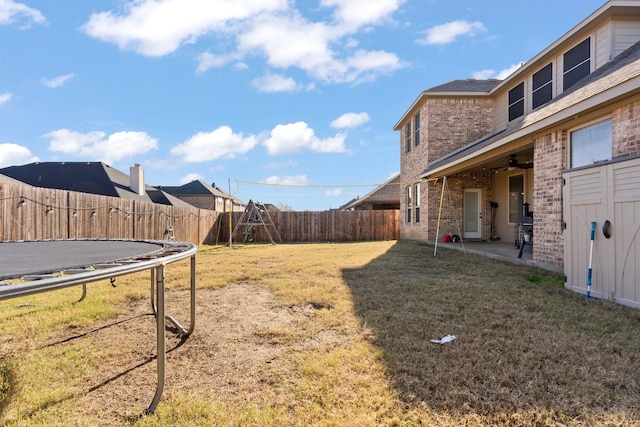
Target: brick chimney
<point>137,179</point>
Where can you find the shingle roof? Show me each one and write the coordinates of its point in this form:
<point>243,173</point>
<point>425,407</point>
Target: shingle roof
<point>199,188</point>
<point>386,193</point>
<point>468,85</point>
<point>196,187</point>
<point>86,177</point>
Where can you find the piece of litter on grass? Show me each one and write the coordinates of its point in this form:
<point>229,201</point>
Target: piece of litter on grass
<point>444,340</point>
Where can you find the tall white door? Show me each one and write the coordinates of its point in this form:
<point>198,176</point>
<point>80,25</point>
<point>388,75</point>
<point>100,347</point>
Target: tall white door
<point>472,213</point>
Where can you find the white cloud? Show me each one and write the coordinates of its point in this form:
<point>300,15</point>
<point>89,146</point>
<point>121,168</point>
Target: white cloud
<point>10,12</point>
<point>508,71</point>
<point>206,146</point>
<point>335,192</point>
<point>14,155</point>
<point>159,27</point>
<point>94,145</point>
<point>500,75</point>
<point>287,180</point>
<point>57,81</point>
<point>190,177</point>
<point>356,13</point>
<point>272,83</point>
<point>483,74</point>
<point>5,97</point>
<point>449,32</point>
<point>208,60</point>
<point>350,120</point>
<point>298,137</point>
<point>271,29</point>
<point>294,42</point>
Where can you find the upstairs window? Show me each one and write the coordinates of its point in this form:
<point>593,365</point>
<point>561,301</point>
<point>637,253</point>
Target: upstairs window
<point>577,64</point>
<point>516,102</point>
<point>591,144</point>
<point>407,136</point>
<point>542,90</point>
<point>416,130</point>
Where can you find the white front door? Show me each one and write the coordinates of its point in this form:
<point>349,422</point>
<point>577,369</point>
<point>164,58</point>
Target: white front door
<point>472,213</point>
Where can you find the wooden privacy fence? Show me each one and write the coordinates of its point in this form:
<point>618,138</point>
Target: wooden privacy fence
<point>32,213</point>
<point>319,226</point>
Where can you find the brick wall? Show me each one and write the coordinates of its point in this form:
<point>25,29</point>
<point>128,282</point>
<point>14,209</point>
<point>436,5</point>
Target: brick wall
<point>451,218</point>
<point>549,160</point>
<point>626,130</point>
<point>412,164</point>
<point>446,124</point>
<point>454,122</point>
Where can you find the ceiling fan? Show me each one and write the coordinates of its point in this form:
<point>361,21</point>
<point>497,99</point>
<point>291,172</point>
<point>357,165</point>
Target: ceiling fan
<point>513,163</point>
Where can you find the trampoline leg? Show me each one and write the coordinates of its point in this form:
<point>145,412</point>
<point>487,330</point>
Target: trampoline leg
<point>153,292</point>
<point>160,333</point>
<point>181,329</point>
<point>193,296</point>
<point>84,292</point>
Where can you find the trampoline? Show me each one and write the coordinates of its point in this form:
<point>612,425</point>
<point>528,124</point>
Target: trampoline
<point>30,267</point>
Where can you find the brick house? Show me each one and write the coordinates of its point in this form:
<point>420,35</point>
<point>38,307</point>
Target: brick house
<point>556,143</point>
<point>384,197</point>
<point>205,196</point>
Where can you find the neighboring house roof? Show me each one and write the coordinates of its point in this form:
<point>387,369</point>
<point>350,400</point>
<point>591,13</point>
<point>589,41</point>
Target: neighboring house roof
<point>200,188</point>
<point>196,187</point>
<point>386,193</point>
<point>87,177</point>
<point>271,207</point>
<point>616,79</point>
<point>346,205</point>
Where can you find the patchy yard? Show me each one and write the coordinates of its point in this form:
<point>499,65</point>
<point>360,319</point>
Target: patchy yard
<point>326,334</point>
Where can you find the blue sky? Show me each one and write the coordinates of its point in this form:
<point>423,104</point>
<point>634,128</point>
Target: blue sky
<point>299,95</point>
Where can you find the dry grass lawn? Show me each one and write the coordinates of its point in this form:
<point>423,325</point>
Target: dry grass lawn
<point>326,335</point>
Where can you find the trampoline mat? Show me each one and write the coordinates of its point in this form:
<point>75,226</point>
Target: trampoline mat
<point>38,257</point>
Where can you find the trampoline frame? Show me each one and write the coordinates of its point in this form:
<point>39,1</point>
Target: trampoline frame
<point>155,262</point>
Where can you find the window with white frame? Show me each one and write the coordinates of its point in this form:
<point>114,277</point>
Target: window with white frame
<point>576,64</point>
<point>407,136</point>
<point>409,204</point>
<point>516,102</point>
<point>591,144</point>
<point>417,202</point>
<point>416,129</point>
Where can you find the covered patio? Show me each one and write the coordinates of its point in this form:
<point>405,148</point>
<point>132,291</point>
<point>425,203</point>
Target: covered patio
<point>501,250</point>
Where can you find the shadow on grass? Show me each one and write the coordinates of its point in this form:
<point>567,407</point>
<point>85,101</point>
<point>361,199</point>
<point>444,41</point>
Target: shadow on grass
<point>524,343</point>
<point>8,377</point>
